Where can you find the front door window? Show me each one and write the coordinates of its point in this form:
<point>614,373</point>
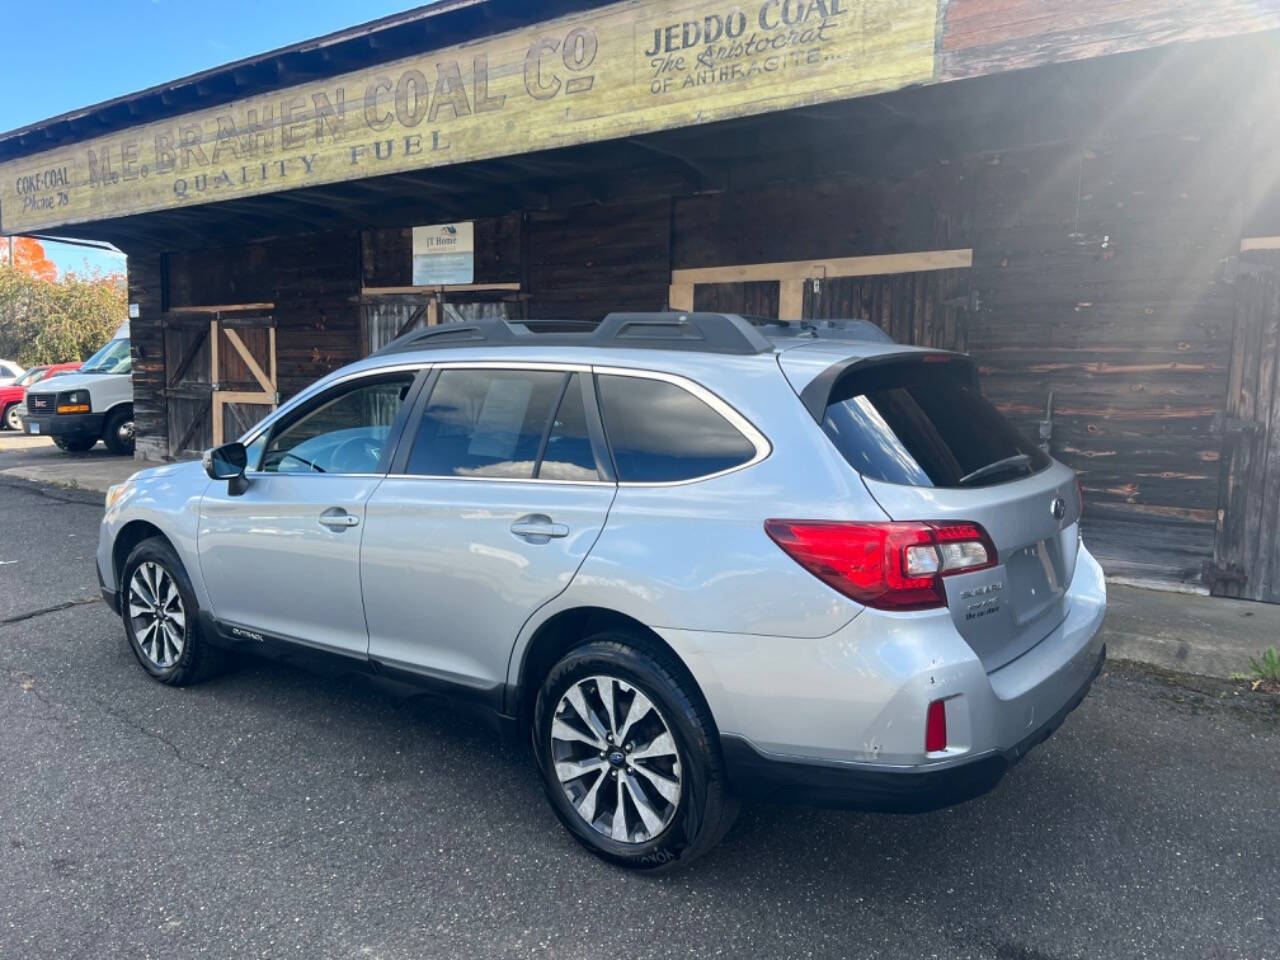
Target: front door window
<point>344,434</point>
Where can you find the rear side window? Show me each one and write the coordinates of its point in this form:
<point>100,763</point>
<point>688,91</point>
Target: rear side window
<point>925,425</point>
<point>514,424</point>
<point>660,433</point>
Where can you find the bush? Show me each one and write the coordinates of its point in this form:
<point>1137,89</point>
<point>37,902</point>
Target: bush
<point>1266,669</point>
<point>46,321</point>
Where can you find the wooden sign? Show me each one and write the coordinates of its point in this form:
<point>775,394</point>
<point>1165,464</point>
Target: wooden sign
<point>625,69</point>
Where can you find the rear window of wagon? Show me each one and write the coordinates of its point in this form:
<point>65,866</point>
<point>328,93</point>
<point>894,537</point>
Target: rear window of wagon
<point>926,425</point>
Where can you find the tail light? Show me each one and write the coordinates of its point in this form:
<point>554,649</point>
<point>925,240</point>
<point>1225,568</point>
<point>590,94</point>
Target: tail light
<point>892,566</point>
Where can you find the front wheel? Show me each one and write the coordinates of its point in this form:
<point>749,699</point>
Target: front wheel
<point>161,616</point>
<point>11,420</point>
<point>74,444</point>
<point>629,756</point>
<point>117,432</point>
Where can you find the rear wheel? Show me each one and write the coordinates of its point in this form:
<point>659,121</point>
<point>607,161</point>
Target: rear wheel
<point>117,432</point>
<point>161,616</point>
<point>629,756</point>
<point>11,420</point>
<point>75,444</point>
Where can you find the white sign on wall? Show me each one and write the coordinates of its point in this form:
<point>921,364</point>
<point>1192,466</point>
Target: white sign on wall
<point>444,253</point>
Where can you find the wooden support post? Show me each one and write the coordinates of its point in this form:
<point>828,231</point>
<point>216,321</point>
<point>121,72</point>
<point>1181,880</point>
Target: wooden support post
<point>791,299</point>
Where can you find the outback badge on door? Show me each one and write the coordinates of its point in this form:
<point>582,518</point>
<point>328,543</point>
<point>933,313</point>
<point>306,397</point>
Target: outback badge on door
<point>1058,508</point>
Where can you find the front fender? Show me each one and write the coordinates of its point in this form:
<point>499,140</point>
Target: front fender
<point>168,498</point>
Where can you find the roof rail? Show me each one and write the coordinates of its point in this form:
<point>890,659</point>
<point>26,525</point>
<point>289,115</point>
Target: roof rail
<point>702,332</point>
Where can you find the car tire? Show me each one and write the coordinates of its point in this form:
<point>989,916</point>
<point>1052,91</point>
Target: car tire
<point>74,444</point>
<point>169,647</point>
<point>680,822</point>
<point>10,420</point>
<point>117,432</point>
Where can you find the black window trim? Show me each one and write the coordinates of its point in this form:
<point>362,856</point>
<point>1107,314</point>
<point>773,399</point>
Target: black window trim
<point>272,427</point>
<point>763,448</point>
<point>404,451</point>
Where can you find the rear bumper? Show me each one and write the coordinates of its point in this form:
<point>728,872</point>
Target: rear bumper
<point>877,787</point>
<point>74,426</point>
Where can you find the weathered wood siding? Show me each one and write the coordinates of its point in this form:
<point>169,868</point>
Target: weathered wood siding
<point>583,263</point>
<point>988,36</point>
<point>387,255</point>
<point>1098,270</point>
<point>1247,549</point>
<point>146,334</point>
<point>317,282</point>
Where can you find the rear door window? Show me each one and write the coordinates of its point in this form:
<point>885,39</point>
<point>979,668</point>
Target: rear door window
<point>925,425</point>
<point>510,424</point>
<point>659,432</point>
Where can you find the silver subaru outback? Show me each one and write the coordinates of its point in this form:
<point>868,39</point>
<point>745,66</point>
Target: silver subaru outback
<point>693,557</point>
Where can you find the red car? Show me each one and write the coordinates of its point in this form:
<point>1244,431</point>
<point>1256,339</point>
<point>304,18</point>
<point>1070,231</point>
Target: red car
<point>11,396</point>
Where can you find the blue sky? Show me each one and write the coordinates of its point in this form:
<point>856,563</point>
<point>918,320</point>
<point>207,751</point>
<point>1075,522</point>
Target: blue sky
<point>71,53</point>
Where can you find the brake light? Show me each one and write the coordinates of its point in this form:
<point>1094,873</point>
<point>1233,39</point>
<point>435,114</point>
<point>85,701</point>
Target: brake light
<point>892,566</point>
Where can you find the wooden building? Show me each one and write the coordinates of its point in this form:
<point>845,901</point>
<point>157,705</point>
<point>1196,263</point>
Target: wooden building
<point>1080,193</point>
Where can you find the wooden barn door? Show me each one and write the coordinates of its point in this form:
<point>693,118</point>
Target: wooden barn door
<point>243,361</point>
<point>188,383</point>
<point>1246,554</point>
<point>220,373</point>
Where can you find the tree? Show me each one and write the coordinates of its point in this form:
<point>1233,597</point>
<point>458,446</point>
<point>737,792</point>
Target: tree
<point>46,321</point>
<point>29,256</point>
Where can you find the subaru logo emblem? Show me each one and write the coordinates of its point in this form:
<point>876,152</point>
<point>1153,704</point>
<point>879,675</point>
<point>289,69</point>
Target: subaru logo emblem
<point>1058,508</point>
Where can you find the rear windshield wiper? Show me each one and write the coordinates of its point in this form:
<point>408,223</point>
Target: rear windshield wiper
<point>1017,461</point>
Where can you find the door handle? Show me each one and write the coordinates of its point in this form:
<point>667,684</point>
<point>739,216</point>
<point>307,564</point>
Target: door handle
<point>538,528</point>
<point>338,518</point>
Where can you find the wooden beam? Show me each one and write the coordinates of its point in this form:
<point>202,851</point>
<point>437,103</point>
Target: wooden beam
<point>213,366</point>
<point>840,267</point>
<point>791,299</point>
<point>225,308</point>
<point>259,374</point>
<point>438,288</point>
<point>680,296</point>
<point>245,396</point>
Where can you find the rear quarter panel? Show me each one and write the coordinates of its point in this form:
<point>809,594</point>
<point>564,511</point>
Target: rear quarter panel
<point>694,556</point>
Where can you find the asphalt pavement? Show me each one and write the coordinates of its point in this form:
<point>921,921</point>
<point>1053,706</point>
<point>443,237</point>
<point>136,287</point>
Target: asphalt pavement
<point>275,812</point>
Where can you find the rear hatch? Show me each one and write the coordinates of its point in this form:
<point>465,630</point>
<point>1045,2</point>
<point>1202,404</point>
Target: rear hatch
<point>928,446</point>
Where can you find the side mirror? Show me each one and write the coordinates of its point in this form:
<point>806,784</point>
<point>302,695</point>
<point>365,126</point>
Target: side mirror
<point>228,462</point>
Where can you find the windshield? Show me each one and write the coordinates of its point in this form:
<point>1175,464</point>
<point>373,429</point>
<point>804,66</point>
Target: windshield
<point>113,358</point>
<point>917,424</point>
<point>31,376</point>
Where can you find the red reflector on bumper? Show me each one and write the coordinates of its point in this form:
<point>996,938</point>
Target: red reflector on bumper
<point>935,727</point>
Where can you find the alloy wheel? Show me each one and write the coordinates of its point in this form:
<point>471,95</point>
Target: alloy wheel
<point>616,759</point>
<point>11,418</point>
<point>157,614</point>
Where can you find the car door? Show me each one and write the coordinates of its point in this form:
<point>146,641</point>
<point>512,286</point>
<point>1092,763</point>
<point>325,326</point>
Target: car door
<point>283,557</point>
<point>500,492</point>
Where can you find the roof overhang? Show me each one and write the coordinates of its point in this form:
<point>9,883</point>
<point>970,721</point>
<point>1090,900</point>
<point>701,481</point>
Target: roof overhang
<point>633,71</point>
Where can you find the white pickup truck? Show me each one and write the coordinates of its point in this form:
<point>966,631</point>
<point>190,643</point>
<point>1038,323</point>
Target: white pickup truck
<point>96,403</point>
